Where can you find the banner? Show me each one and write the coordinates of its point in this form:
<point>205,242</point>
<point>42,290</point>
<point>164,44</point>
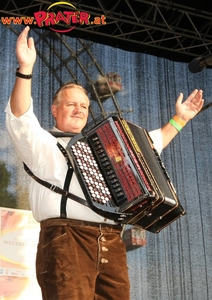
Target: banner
<point>18,245</point>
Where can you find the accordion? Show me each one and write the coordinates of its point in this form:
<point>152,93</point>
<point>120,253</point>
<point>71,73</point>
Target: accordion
<point>123,177</point>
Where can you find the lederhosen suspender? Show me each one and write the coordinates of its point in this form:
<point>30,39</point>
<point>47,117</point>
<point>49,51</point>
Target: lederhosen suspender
<point>64,192</point>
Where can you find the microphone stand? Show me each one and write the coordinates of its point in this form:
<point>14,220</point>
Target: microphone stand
<point>205,107</point>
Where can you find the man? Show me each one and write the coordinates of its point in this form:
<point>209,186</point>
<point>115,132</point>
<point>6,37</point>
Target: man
<point>82,256</point>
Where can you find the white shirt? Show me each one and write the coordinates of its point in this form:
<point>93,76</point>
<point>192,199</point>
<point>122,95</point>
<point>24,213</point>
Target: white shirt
<point>37,149</point>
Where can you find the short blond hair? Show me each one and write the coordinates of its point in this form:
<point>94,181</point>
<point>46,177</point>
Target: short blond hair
<point>67,85</point>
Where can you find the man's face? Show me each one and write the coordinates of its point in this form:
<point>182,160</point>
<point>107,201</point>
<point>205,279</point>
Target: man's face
<point>72,112</point>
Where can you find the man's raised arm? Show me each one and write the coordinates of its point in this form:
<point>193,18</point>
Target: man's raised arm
<point>185,111</point>
<point>26,56</point>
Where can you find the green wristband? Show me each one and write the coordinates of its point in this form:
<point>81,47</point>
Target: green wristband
<point>175,124</point>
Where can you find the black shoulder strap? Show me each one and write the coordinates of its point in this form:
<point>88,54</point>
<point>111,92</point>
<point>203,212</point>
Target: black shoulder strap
<point>69,174</point>
<point>55,188</point>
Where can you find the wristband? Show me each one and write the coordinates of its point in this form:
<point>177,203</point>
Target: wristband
<point>175,124</point>
<point>179,121</point>
<point>23,75</point>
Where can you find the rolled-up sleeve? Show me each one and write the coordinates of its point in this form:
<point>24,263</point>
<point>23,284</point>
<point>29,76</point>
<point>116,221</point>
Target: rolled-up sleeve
<point>156,137</point>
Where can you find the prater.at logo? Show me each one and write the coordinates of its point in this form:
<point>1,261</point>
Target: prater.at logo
<point>68,17</point>
<point>54,17</point>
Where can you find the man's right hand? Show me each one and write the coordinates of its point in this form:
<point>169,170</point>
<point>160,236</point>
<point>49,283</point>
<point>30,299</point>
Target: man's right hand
<point>26,55</point>
<point>25,51</point>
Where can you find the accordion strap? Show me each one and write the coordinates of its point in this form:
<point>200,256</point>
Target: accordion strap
<point>65,193</point>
